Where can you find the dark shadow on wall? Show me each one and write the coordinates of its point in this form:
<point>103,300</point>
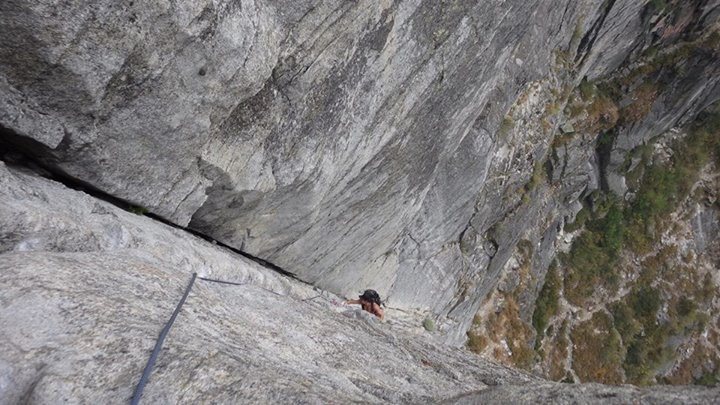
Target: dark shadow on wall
<point>30,156</point>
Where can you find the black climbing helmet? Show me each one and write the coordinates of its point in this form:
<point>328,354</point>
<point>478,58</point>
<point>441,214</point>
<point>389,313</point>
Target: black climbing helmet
<point>372,296</point>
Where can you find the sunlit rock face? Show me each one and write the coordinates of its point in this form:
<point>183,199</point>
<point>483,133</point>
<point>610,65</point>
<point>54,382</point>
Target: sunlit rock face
<point>86,287</point>
<point>355,144</point>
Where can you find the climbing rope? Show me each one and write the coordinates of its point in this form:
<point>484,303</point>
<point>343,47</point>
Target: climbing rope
<point>161,338</point>
<point>220,281</point>
<point>158,345</point>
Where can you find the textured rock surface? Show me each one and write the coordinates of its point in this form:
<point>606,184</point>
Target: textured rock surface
<point>619,116</point>
<point>425,149</point>
<point>355,144</point>
<point>351,143</point>
<point>86,288</point>
<point>587,393</point>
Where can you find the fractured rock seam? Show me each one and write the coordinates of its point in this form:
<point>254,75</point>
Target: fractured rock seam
<point>18,151</point>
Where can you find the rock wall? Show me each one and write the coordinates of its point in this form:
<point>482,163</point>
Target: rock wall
<point>649,114</point>
<point>355,144</point>
<point>86,288</point>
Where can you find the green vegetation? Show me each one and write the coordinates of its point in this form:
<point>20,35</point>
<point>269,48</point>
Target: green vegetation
<point>658,196</point>
<point>644,336</point>
<point>539,174</point>
<point>637,338</point>
<point>658,5</point>
<point>580,220</point>
<point>686,307</point>
<point>645,302</point>
<point>707,289</point>
<point>600,100</point>
<point>598,351</point>
<point>546,305</point>
<point>599,105</point>
<point>558,351</point>
<point>552,108</point>
<point>504,325</point>
<point>507,124</point>
<point>641,332</point>
<point>633,338</point>
<point>592,258</point>
<point>624,320</point>
<point>663,186</point>
<point>509,325</point>
<point>648,348</point>
<point>476,343</point>
<point>429,325</point>
<point>138,210</point>
<point>610,227</point>
<point>670,60</point>
<point>634,176</point>
<point>708,379</point>
<point>643,98</point>
<point>587,89</point>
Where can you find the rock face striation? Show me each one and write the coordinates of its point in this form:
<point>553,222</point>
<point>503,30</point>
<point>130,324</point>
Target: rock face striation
<point>353,144</point>
<point>405,146</point>
<point>86,288</point>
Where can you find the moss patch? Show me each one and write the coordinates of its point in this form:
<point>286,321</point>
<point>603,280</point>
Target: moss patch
<point>664,186</point>
<point>642,98</point>
<point>593,255</point>
<point>598,352</point>
<point>547,304</point>
<point>640,335</point>
<point>476,342</point>
<point>557,354</point>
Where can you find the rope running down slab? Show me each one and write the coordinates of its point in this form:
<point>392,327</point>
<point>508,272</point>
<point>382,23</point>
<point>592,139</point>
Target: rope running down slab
<point>161,338</point>
<point>158,345</point>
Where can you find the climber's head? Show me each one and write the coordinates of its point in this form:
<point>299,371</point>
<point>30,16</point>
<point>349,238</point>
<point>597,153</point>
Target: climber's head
<point>371,296</point>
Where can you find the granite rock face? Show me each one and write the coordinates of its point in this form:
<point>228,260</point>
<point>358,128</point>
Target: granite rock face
<point>355,144</point>
<point>587,394</point>
<point>619,115</point>
<point>86,288</point>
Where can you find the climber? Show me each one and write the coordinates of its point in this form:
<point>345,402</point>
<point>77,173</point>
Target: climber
<point>370,302</point>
